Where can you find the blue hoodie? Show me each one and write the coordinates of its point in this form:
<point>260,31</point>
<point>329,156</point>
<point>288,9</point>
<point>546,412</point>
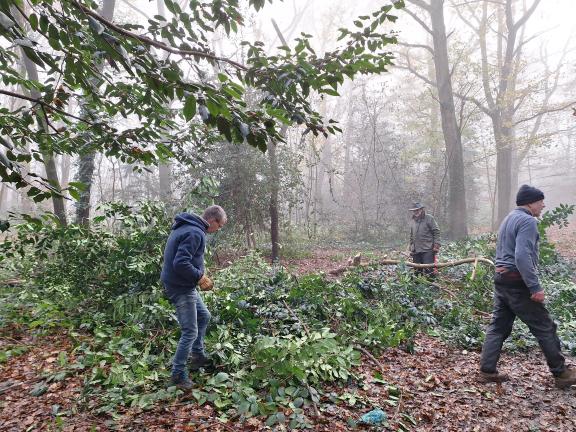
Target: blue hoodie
<point>184,254</point>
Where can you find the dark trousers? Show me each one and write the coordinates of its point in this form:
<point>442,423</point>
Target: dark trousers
<point>511,300</point>
<point>424,258</point>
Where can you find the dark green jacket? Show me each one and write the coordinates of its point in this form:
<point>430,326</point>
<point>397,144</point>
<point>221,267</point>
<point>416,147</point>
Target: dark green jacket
<point>424,234</point>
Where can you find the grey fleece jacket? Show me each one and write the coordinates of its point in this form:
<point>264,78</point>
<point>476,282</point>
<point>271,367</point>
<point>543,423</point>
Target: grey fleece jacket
<point>517,246</point>
<point>424,234</point>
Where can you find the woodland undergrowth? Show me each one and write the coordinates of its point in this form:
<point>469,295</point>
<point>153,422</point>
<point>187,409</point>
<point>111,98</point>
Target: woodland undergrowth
<point>279,342</point>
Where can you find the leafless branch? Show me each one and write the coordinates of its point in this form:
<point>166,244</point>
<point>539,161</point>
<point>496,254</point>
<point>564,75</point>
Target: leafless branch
<point>418,20</point>
<point>408,45</point>
<point>546,111</point>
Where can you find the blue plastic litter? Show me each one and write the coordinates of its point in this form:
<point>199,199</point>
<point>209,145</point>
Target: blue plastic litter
<point>374,417</point>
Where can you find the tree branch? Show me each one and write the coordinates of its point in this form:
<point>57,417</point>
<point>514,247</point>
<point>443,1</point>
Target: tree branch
<point>546,111</point>
<point>415,73</point>
<point>420,4</point>
<point>152,42</point>
<point>475,101</point>
<point>418,20</point>
<point>408,45</point>
<point>526,15</point>
<point>44,104</point>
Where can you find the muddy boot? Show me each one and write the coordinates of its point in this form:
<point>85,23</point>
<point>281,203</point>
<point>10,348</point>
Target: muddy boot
<point>200,360</point>
<point>181,381</point>
<point>492,377</point>
<point>566,379</point>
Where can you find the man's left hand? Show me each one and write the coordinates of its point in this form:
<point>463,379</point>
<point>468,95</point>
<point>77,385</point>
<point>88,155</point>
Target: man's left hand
<point>205,283</point>
<point>538,297</point>
<point>436,248</point>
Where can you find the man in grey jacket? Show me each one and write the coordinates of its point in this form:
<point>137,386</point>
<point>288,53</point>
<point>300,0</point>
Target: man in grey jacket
<point>517,291</point>
<point>424,238</point>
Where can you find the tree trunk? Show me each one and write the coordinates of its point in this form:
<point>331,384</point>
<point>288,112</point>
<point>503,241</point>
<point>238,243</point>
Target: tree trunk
<point>274,188</point>
<point>457,213</point>
<point>47,156</point>
<point>86,163</point>
<point>504,137</point>
<point>165,182</point>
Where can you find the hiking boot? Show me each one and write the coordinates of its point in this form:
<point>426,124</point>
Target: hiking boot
<point>492,377</point>
<point>200,360</point>
<point>181,381</point>
<point>566,379</point>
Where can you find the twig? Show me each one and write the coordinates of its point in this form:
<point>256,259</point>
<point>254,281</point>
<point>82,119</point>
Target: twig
<point>35,380</point>
<point>370,356</point>
<point>217,422</point>
<point>5,389</point>
<point>397,408</point>
<point>297,319</point>
<point>316,411</point>
<point>446,290</point>
<point>44,104</point>
<point>375,360</point>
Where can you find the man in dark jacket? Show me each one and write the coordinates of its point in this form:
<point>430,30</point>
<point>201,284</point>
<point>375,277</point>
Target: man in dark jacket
<point>424,238</point>
<point>517,291</point>
<point>182,272</point>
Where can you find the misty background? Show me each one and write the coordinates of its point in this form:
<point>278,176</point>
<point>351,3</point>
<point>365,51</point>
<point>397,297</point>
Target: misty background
<point>511,68</point>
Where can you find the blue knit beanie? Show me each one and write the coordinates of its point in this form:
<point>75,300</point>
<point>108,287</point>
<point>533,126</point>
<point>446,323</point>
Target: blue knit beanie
<point>528,194</point>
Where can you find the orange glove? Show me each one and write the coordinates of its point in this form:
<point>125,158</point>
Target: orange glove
<point>205,283</point>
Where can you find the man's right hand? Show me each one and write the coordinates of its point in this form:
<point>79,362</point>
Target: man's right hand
<point>538,297</point>
<point>205,283</point>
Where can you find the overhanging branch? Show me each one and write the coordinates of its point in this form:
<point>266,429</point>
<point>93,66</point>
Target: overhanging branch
<point>152,42</point>
<point>46,105</point>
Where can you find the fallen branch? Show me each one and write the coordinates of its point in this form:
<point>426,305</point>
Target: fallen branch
<point>387,261</point>
<point>439,265</point>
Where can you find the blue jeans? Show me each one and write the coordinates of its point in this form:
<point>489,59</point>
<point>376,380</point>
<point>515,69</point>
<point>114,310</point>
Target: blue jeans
<point>193,318</point>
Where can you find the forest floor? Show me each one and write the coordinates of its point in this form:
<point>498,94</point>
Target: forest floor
<point>437,383</point>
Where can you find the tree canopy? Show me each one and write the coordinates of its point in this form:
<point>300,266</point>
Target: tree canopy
<point>93,72</point>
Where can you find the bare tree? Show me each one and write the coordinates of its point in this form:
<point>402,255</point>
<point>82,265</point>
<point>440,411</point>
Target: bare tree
<point>501,98</point>
<point>457,212</point>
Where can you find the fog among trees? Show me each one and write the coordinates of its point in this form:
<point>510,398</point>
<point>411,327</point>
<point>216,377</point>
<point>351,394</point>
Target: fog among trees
<point>477,99</point>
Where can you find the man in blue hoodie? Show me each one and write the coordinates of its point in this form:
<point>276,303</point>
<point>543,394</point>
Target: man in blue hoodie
<point>182,272</point>
<point>517,291</point>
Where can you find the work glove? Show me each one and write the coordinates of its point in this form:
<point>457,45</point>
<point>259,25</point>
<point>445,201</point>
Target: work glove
<point>205,283</point>
<point>436,248</point>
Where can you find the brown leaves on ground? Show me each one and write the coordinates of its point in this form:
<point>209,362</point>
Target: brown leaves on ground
<point>438,390</point>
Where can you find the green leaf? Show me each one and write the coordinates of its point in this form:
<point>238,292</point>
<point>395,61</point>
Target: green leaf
<point>189,107</point>
<point>74,194</point>
<point>33,18</point>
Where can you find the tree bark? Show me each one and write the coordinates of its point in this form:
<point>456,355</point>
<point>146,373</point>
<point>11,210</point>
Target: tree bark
<point>86,162</point>
<point>457,212</point>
